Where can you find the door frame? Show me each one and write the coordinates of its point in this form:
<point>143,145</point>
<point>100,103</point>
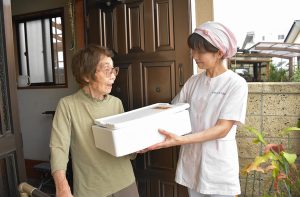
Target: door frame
<point>11,141</point>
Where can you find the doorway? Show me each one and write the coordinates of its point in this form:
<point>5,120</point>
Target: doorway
<point>149,41</point>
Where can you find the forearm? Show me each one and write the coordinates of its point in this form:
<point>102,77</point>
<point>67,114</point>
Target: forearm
<point>203,136</point>
<point>220,130</point>
<point>132,156</point>
<point>61,183</point>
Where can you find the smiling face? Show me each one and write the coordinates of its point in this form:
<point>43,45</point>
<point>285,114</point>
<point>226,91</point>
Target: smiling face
<point>206,60</point>
<point>104,78</point>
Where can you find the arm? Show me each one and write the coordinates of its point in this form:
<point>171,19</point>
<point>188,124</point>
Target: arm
<point>228,117</point>
<point>61,184</point>
<point>59,147</point>
<point>220,130</point>
<point>132,156</point>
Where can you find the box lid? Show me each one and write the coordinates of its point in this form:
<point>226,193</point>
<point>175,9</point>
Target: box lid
<point>139,115</point>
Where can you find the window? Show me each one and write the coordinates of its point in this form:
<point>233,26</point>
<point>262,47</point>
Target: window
<point>40,39</point>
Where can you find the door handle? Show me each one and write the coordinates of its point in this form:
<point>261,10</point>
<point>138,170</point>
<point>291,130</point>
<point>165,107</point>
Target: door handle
<point>180,69</point>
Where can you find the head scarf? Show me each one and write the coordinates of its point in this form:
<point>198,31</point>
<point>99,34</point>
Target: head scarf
<point>219,36</point>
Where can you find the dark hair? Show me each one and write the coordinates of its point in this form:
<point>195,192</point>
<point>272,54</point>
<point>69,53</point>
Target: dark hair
<point>197,42</point>
<point>85,61</point>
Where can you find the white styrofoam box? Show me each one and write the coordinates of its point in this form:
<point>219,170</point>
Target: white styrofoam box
<point>135,130</point>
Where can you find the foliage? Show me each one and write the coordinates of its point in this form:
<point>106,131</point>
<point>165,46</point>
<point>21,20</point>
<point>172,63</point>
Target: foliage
<point>296,75</point>
<point>279,164</point>
<point>277,74</point>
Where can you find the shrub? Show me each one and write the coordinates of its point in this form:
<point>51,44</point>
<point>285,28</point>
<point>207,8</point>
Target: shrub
<point>280,165</point>
<point>277,75</point>
<point>296,75</point>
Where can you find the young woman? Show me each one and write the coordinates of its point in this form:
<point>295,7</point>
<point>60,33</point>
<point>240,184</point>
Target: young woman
<point>208,163</point>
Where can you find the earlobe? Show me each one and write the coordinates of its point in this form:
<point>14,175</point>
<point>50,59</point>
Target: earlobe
<point>220,54</point>
<point>86,79</point>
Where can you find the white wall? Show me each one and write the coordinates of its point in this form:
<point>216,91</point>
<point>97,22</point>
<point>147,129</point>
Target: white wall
<point>35,126</point>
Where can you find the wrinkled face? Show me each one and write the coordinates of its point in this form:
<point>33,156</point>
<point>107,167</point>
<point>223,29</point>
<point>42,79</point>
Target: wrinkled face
<point>104,77</point>
<point>206,60</point>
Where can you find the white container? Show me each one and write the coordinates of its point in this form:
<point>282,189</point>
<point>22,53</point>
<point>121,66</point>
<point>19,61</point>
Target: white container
<point>135,130</point>
<point>23,81</point>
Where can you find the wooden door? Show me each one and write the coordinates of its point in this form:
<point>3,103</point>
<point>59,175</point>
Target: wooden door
<point>12,166</point>
<point>149,41</point>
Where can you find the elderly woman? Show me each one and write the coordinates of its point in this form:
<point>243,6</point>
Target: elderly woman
<point>95,172</point>
<point>208,163</point>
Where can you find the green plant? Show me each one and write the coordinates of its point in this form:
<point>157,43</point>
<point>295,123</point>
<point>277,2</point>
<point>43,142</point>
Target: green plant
<point>296,75</point>
<point>280,165</point>
<point>277,75</point>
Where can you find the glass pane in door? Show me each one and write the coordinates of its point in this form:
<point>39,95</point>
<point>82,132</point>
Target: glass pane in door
<point>4,106</point>
<point>8,181</point>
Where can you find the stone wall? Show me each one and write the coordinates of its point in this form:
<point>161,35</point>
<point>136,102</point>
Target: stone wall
<point>271,107</point>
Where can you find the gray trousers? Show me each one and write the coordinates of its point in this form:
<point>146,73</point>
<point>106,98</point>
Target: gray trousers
<point>130,191</point>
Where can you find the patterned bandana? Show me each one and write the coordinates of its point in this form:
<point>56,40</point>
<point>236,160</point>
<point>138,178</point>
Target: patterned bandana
<point>219,36</point>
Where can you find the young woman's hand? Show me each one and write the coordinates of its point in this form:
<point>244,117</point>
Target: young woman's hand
<point>170,140</point>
